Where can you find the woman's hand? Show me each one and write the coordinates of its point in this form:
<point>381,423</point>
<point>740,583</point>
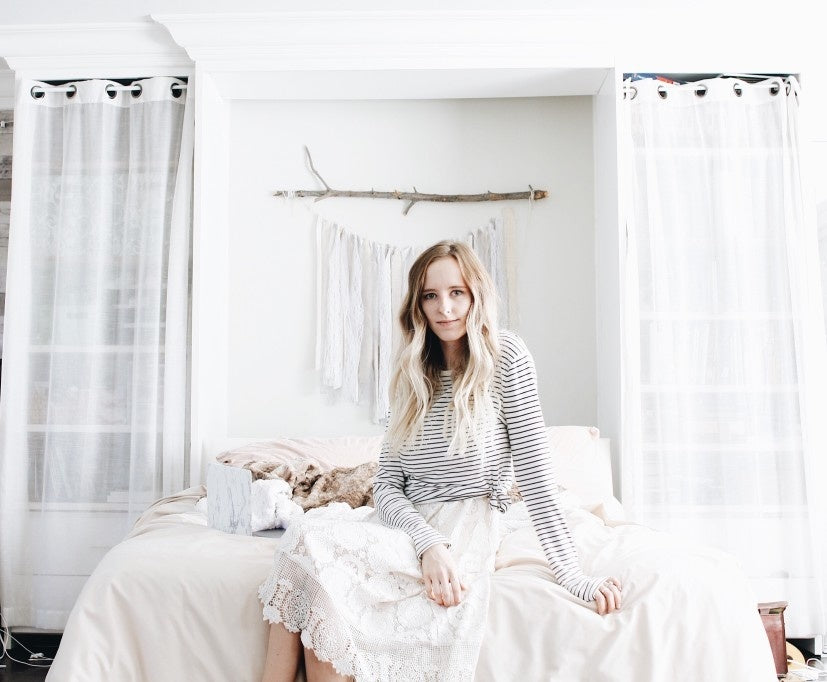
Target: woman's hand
<point>608,596</point>
<point>442,581</point>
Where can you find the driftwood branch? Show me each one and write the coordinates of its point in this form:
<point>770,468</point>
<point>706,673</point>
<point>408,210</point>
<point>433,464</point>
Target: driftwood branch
<point>411,197</point>
<point>313,168</point>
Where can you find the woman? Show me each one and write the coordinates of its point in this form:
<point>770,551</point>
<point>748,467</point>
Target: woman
<point>401,593</point>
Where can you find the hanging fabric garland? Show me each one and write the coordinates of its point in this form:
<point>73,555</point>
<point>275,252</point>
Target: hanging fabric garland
<point>360,285</point>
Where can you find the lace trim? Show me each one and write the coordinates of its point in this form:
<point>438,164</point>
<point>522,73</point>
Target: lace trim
<point>354,591</point>
<point>296,599</point>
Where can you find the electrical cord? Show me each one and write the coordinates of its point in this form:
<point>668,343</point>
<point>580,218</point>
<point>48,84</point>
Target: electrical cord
<point>36,656</point>
<point>805,671</point>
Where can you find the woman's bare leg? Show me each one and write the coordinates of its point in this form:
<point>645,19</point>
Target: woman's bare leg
<point>284,649</point>
<point>321,671</point>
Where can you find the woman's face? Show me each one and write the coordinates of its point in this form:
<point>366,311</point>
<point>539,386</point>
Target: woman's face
<point>446,300</point>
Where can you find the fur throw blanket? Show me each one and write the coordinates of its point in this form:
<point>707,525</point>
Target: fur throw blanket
<point>313,487</point>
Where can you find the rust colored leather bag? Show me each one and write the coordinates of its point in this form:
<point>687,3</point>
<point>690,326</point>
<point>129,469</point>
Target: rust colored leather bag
<point>772,615</point>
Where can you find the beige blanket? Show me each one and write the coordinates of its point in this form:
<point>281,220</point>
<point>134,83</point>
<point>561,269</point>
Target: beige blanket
<point>177,601</point>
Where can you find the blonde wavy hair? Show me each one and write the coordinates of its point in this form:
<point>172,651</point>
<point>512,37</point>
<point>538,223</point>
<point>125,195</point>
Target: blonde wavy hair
<point>416,378</point>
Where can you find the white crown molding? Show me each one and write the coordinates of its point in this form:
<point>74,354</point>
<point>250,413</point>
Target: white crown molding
<point>473,53</point>
<point>54,51</point>
<point>445,43</point>
<point>279,42</point>
<point>288,41</point>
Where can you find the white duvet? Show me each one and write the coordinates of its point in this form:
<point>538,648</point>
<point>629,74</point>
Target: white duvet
<point>176,601</point>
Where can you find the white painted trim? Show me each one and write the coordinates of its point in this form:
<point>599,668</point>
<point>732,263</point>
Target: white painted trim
<point>54,51</point>
<point>210,277</point>
<point>407,83</point>
<point>439,41</point>
<point>607,269</point>
<point>449,39</point>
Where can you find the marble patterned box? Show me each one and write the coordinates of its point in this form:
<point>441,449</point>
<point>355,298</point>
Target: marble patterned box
<point>229,499</point>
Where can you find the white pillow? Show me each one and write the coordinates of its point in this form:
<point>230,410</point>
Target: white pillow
<point>583,463</point>
<point>582,460</point>
<point>326,453</point>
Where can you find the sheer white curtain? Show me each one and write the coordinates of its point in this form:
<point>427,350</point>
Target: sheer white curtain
<point>724,338</point>
<point>93,411</point>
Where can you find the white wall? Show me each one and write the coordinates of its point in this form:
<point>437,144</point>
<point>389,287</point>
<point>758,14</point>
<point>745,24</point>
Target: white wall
<point>443,146</point>
<point>49,11</point>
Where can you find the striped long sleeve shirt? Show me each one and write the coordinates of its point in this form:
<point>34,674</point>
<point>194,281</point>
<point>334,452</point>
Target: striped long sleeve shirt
<point>516,448</point>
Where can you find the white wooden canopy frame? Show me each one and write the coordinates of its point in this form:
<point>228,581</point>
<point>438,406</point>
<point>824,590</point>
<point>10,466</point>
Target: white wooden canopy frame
<point>406,55</point>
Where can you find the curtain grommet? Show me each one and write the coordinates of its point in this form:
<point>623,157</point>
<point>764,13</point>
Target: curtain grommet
<point>111,91</point>
<point>176,89</point>
<point>139,88</point>
<point>701,90</point>
<point>71,91</point>
<point>37,92</point>
<point>663,93</point>
<point>736,87</point>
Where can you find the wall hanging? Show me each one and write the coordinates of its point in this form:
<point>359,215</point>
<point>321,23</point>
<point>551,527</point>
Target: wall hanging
<point>360,285</point>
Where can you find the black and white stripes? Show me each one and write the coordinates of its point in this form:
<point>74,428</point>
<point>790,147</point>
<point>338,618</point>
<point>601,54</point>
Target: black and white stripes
<point>516,446</point>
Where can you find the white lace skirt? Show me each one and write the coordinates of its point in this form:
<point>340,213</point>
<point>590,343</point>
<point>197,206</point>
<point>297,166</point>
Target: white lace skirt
<point>354,589</point>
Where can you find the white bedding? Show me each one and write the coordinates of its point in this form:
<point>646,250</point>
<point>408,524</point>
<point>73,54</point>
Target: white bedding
<point>176,601</point>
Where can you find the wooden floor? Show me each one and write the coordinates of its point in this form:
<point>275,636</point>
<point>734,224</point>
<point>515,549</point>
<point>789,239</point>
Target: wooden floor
<point>45,644</point>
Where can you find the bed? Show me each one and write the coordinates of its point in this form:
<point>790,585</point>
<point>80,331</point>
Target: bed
<point>176,600</point>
